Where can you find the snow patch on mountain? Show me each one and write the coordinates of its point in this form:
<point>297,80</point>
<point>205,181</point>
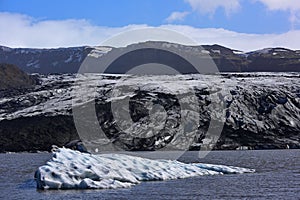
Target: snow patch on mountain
<point>97,52</point>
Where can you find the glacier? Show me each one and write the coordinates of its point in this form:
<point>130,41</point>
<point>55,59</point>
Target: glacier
<point>262,111</point>
<point>70,169</point>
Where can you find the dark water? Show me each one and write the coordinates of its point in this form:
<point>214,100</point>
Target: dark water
<point>277,177</point>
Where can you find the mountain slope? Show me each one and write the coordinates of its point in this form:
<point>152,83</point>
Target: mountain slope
<point>61,60</point>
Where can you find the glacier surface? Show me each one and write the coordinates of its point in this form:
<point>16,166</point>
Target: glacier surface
<point>69,169</point>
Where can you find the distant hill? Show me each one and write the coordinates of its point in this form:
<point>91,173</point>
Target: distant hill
<point>68,60</point>
<point>12,77</point>
<point>45,61</point>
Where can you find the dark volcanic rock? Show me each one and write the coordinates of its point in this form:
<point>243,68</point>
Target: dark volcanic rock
<point>36,133</point>
<point>12,77</point>
<point>76,145</point>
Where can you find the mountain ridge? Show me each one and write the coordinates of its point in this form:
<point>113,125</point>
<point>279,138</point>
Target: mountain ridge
<point>69,59</point>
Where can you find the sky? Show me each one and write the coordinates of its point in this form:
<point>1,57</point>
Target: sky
<point>240,24</point>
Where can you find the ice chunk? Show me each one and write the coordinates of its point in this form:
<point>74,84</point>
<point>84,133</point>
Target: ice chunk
<point>69,169</point>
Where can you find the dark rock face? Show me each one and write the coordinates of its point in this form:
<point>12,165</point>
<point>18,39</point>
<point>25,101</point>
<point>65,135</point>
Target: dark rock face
<point>68,60</point>
<point>12,77</point>
<point>261,111</point>
<point>37,133</point>
<point>76,145</point>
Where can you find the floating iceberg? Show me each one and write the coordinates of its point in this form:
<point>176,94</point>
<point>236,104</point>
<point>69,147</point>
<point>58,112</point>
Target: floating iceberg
<point>69,169</point>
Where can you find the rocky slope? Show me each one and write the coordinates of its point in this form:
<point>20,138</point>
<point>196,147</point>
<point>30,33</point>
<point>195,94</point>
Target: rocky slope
<point>252,110</point>
<point>68,60</point>
<point>12,77</point>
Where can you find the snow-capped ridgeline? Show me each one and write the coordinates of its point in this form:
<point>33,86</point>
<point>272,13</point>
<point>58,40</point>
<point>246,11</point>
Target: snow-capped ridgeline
<point>69,169</point>
<point>68,60</point>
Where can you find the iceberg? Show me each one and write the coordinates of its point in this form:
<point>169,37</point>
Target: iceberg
<point>70,169</point>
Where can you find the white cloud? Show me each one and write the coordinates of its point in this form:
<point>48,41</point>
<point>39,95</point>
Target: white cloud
<point>292,6</point>
<point>239,41</point>
<point>210,6</point>
<point>281,4</point>
<point>23,31</point>
<point>176,16</point>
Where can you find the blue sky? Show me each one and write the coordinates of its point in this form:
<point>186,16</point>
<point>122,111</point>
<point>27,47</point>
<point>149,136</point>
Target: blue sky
<point>252,17</point>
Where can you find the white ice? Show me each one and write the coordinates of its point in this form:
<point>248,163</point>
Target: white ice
<point>69,169</point>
